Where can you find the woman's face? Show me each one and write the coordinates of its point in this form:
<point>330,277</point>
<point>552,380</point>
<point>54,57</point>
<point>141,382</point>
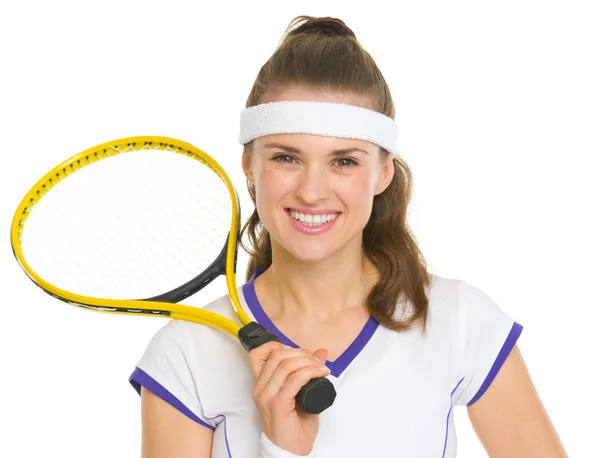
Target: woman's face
<point>314,194</point>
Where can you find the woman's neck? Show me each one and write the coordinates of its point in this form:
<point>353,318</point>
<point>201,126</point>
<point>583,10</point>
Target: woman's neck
<point>319,291</point>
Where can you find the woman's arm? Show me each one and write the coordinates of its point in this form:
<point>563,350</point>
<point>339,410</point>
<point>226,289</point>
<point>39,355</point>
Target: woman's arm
<point>167,433</point>
<point>510,419</point>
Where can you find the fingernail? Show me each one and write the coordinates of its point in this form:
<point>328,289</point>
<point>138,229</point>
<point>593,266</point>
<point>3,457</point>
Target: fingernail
<point>325,369</point>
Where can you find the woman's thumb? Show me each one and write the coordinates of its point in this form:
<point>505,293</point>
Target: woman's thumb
<point>321,355</point>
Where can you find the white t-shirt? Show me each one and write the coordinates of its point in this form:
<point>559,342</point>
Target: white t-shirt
<point>395,391</point>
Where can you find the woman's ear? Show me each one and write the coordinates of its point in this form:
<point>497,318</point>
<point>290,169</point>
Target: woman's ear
<point>386,175</point>
<point>247,165</point>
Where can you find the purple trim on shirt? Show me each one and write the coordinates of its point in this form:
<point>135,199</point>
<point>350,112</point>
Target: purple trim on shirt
<point>225,431</point>
<point>339,365</point>
<point>255,274</point>
<point>510,342</point>
<point>140,378</point>
<point>448,417</point>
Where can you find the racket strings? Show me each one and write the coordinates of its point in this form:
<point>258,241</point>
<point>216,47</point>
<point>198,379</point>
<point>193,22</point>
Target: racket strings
<point>179,217</point>
<point>74,270</point>
<point>127,267</point>
<point>215,214</point>
<point>133,225</point>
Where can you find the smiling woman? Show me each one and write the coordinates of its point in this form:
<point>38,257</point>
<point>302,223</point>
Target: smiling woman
<point>314,175</point>
<point>337,275</point>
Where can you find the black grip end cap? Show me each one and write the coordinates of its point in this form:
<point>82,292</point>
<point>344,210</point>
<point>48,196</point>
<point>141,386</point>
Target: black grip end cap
<point>317,395</point>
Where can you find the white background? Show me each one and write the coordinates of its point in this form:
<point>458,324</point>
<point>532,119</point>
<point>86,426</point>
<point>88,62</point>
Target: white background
<point>499,111</point>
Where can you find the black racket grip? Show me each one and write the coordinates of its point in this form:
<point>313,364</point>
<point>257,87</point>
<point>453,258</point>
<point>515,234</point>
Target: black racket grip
<point>314,397</point>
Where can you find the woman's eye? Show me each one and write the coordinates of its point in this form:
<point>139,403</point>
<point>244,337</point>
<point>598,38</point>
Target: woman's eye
<point>285,158</point>
<point>345,162</point>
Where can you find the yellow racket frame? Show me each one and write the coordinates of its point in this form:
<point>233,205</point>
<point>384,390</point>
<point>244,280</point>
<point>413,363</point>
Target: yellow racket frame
<point>176,311</point>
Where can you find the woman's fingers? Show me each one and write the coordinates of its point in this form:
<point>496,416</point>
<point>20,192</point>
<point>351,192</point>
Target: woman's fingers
<point>321,355</point>
<point>278,356</point>
<point>260,355</point>
<point>295,382</point>
<point>281,371</point>
<point>271,382</point>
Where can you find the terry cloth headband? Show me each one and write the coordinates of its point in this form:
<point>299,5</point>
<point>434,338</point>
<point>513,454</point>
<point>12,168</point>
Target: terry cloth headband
<point>319,118</point>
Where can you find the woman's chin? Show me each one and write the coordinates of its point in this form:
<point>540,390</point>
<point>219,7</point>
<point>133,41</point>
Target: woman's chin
<point>317,248</point>
<point>310,252</point>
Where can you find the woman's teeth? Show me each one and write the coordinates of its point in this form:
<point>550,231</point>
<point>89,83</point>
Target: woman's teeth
<point>312,220</point>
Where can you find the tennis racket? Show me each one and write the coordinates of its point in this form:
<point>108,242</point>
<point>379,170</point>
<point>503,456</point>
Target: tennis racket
<point>135,226</point>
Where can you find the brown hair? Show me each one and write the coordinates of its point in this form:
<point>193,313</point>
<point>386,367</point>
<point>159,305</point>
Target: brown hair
<point>324,54</point>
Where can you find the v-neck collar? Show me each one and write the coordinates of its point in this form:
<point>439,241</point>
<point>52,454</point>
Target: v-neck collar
<point>341,363</point>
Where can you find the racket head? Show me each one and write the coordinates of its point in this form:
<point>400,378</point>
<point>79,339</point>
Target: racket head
<point>157,302</point>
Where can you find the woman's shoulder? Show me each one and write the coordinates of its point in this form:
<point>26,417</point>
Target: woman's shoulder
<point>452,300</point>
<point>196,368</point>
<point>467,310</point>
<point>221,306</point>
<point>458,295</point>
<point>448,294</point>
<point>442,294</point>
<point>205,340</point>
<point>443,287</point>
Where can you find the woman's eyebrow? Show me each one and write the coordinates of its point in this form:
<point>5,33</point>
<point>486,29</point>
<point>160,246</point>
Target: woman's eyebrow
<point>291,149</point>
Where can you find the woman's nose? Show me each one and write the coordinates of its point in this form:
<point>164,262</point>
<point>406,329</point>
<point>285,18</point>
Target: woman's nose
<point>313,185</point>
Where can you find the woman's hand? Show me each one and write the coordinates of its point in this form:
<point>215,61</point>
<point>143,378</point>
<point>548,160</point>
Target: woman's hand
<point>279,373</point>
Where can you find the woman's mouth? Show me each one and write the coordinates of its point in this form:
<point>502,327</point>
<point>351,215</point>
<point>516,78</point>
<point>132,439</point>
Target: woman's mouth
<point>310,219</point>
<point>312,223</point>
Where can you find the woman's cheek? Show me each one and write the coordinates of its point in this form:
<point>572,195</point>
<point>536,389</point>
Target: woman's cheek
<point>277,183</point>
<point>358,194</point>
<point>357,189</point>
<point>271,187</point>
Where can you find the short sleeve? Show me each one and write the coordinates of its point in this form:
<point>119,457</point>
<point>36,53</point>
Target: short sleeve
<point>165,371</point>
<point>486,337</point>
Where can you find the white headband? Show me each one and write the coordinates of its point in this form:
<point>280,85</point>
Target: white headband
<point>319,118</point>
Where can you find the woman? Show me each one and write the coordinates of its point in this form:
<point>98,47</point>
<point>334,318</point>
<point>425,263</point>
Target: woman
<point>336,273</point>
